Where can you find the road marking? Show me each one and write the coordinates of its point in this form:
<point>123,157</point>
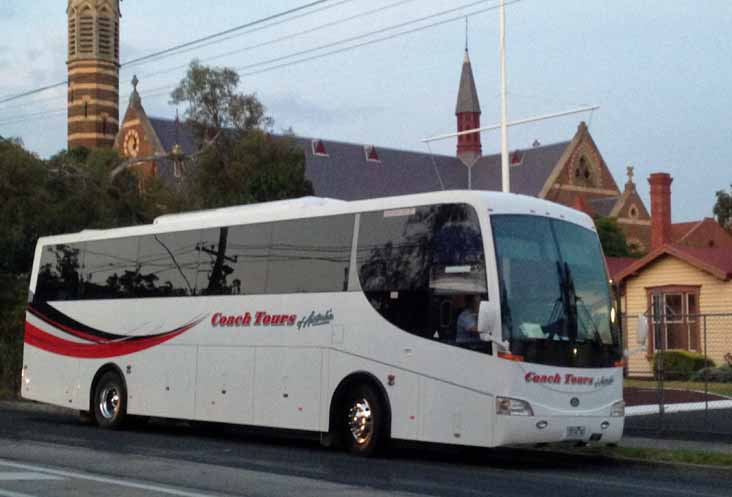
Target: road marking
<point>671,408</point>
<point>26,475</point>
<point>8,493</point>
<point>100,479</point>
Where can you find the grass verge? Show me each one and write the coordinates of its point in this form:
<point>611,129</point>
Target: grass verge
<point>682,456</point>
<point>6,393</point>
<point>718,388</point>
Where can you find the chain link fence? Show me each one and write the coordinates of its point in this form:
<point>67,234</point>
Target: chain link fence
<point>679,382</point>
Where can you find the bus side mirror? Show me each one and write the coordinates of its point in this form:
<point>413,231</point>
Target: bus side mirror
<point>641,335</point>
<point>488,322</point>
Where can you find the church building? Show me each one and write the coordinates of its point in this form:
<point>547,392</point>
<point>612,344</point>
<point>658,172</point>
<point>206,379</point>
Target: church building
<point>572,172</point>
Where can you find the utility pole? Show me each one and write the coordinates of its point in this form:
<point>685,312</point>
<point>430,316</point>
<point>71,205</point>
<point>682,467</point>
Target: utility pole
<point>505,179</point>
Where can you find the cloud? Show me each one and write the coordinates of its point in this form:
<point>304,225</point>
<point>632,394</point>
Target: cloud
<point>292,110</point>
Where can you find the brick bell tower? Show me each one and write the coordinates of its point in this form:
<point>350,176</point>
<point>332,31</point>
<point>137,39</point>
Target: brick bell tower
<point>93,72</point>
<point>467,111</point>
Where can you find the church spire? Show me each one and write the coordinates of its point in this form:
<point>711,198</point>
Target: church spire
<point>467,111</point>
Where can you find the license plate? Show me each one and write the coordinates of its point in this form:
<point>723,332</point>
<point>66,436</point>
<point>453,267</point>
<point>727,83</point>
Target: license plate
<point>575,432</point>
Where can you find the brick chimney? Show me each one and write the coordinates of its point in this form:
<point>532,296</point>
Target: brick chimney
<point>660,209</point>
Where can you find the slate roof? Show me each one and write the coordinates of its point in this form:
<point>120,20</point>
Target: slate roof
<point>467,100</point>
<point>603,206</point>
<point>347,174</point>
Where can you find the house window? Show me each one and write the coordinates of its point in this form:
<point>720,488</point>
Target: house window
<point>674,316</point>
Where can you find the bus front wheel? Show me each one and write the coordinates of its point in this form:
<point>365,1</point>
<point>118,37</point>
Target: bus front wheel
<point>363,416</point>
<point>110,401</point>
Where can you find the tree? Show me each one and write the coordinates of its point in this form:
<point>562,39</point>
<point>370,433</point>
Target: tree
<point>213,102</point>
<point>23,206</point>
<point>723,209</point>
<point>84,195</point>
<point>241,161</point>
<point>612,238</point>
<point>247,168</point>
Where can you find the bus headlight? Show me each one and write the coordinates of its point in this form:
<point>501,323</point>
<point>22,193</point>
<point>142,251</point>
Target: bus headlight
<point>506,406</point>
<point>618,409</point>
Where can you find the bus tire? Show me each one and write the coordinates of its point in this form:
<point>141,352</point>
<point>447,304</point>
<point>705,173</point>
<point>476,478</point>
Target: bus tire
<point>363,421</point>
<point>109,403</point>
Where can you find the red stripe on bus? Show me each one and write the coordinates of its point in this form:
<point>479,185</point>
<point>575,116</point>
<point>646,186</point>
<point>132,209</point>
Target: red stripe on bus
<point>38,338</point>
<point>71,331</point>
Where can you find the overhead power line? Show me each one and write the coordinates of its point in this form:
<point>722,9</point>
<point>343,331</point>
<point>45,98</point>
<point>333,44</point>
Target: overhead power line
<point>199,41</point>
<point>154,92</point>
<point>176,47</point>
<point>250,31</point>
<point>240,70</point>
<point>212,42</point>
<point>286,37</point>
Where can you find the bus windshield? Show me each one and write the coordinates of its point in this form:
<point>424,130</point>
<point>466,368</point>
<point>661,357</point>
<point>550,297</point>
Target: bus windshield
<point>556,305</point>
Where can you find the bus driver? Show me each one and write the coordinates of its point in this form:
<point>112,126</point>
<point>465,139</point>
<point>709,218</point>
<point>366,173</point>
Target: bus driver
<point>467,323</point>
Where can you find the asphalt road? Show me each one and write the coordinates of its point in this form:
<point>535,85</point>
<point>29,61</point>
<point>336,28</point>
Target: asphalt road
<point>48,452</point>
<point>714,425</point>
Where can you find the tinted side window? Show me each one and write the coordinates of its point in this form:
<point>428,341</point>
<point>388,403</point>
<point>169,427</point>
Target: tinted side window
<point>234,260</point>
<point>59,274</point>
<point>310,255</point>
<point>110,268</point>
<point>422,267</point>
<point>168,264</point>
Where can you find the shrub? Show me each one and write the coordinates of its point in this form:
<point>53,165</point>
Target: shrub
<point>679,364</point>
<point>722,374</point>
<point>12,305</point>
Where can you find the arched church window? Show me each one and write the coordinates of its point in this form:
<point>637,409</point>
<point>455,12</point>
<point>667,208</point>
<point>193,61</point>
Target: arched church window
<point>86,31</point>
<point>105,34</point>
<point>116,39</point>
<point>72,34</point>
<point>583,173</point>
<point>633,212</point>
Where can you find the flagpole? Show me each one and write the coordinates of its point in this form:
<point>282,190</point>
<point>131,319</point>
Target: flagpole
<point>505,179</point>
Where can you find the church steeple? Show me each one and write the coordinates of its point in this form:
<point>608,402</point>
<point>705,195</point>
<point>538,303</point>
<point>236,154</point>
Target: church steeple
<point>93,72</point>
<point>467,111</point>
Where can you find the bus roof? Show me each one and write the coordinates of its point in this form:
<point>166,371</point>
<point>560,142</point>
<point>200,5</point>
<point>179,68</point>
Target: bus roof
<point>305,207</point>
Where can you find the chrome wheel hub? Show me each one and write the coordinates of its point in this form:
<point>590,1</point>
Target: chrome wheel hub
<point>360,421</point>
<point>109,402</point>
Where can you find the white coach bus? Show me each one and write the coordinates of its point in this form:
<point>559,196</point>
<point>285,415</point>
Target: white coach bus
<point>459,317</point>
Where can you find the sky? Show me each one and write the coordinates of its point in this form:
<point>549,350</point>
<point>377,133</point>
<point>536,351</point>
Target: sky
<point>659,70</point>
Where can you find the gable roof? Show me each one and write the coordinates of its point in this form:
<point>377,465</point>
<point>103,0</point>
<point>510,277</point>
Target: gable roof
<point>706,233</point>
<point>715,261</point>
<point>346,173</point>
<point>615,265</point>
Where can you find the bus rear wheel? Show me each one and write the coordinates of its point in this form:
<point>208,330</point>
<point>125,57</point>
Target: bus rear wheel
<point>363,421</point>
<point>109,402</point>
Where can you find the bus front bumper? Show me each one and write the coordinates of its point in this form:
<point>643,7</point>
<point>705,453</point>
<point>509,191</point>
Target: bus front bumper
<point>512,430</point>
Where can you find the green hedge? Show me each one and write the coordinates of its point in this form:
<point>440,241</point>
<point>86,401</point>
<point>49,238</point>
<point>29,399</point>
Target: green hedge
<point>12,305</point>
<point>722,374</point>
<point>679,364</point>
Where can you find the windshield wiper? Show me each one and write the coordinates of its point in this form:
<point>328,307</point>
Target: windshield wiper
<point>569,298</point>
